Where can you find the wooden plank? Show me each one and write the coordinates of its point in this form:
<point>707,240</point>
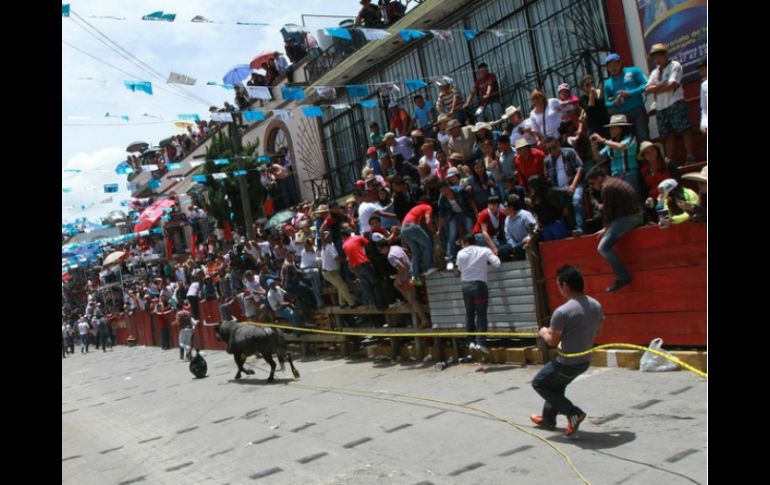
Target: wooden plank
<point>642,238</point>
<point>496,326</point>
<point>683,255</point>
<point>628,300</point>
<point>668,278</point>
<point>512,319</point>
<point>682,328</point>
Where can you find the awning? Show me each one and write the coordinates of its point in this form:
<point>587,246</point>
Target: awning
<point>151,214</point>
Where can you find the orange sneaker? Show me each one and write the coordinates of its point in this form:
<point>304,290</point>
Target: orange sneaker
<point>573,422</point>
<point>538,420</point>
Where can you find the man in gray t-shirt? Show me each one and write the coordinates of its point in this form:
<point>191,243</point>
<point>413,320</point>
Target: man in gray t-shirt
<point>573,325</point>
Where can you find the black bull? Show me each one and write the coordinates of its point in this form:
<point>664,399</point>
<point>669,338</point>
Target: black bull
<point>244,340</point>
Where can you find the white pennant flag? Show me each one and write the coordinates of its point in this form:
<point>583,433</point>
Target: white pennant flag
<point>219,176</point>
<point>222,117</point>
<point>388,88</point>
<point>499,33</point>
<point>445,35</point>
<point>326,92</point>
<point>259,92</point>
<point>375,34</point>
<point>341,106</point>
<point>282,114</point>
<point>150,167</point>
<point>196,163</point>
<point>106,201</point>
<point>175,78</point>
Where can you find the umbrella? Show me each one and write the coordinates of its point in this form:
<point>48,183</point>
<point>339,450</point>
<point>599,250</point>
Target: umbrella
<point>114,258</point>
<point>280,218</point>
<point>183,124</point>
<point>137,146</point>
<point>257,62</point>
<point>150,151</point>
<point>237,74</point>
<point>166,142</point>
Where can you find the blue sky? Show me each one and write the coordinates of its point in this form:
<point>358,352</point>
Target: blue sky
<point>203,51</point>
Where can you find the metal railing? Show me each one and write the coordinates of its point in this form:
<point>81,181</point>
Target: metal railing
<point>340,50</point>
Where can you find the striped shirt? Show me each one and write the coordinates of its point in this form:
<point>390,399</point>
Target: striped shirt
<point>622,161</point>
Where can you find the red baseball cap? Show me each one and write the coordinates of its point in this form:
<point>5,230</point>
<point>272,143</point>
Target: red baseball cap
<point>360,183</point>
<point>371,150</point>
<point>288,228</point>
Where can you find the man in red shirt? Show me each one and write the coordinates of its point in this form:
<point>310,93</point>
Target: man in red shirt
<point>353,246</point>
<point>489,229</point>
<point>529,161</point>
<point>418,240</point>
<point>488,89</point>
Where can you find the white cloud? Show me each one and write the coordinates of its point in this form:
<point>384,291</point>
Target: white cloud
<point>203,51</point>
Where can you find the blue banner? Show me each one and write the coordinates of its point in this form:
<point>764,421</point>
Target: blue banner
<point>153,184</point>
<point>369,103</point>
<point>199,178</point>
<point>414,84</point>
<point>357,90</point>
<point>312,111</point>
<point>339,32</point>
<point>252,116</point>
<point>408,34</point>
<point>221,161</point>
<point>291,93</point>
<point>109,188</point>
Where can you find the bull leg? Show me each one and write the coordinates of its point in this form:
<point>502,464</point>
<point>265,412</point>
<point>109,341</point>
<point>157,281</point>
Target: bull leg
<point>291,363</point>
<point>269,359</point>
<point>282,361</point>
<point>239,364</point>
<point>245,370</point>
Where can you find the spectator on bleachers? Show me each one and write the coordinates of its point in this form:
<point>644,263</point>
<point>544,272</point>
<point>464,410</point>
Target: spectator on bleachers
<point>529,161</point>
<point>456,213</point>
<point>489,229</point>
<point>354,247</point>
<point>481,185</point>
<point>563,172</point>
<point>593,105</point>
<point>621,212</point>
<point>517,225</point>
<point>675,199</point>
<point>330,269</point>
<point>654,169</point>
<point>665,84</point>
<point>620,150</point>
<point>570,103</point>
<point>545,116</point>
<point>488,90</point>
<point>624,94</point>
<point>369,16</point>
<point>548,208</point>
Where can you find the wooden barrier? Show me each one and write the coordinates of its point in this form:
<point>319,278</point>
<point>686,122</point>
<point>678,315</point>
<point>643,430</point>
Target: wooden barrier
<point>667,294</point>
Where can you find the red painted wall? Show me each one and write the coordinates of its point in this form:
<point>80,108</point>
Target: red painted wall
<point>667,295</point>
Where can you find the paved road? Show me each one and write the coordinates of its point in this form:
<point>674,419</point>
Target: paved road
<point>137,416</point>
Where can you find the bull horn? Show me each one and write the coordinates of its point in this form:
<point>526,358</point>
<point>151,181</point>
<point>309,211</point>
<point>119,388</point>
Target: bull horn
<point>206,324</point>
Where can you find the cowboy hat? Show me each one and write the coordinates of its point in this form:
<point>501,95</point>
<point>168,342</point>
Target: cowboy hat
<point>481,126</point>
<point>618,120</point>
<point>510,111</point>
<point>658,48</point>
<point>647,144</point>
<point>521,143</point>
<point>701,176</point>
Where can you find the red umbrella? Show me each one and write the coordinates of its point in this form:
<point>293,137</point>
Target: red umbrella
<point>152,213</point>
<point>257,62</point>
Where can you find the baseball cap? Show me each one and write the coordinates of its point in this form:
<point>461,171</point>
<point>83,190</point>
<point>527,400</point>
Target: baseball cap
<point>611,57</point>
<point>563,86</point>
<point>371,150</point>
<point>270,281</point>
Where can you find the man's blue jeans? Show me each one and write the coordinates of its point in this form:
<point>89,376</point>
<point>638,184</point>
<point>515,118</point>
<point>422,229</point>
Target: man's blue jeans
<point>365,273</point>
<point>551,383</point>
<point>615,232</point>
<point>453,233</point>
<point>314,276</point>
<point>288,314</point>
<point>414,236</point>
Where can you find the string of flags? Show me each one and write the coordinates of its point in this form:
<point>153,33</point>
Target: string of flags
<point>161,16</point>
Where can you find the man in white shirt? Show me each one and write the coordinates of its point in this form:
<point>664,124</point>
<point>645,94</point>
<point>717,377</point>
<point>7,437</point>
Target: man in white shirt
<point>330,270</point>
<point>367,209</point>
<point>83,332</point>
<point>309,266</point>
<point>276,298</point>
<point>401,145</point>
<point>472,262</point>
<point>252,296</point>
<point>665,84</point>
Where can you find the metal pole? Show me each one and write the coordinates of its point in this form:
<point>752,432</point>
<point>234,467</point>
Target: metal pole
<point>235,136</point>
